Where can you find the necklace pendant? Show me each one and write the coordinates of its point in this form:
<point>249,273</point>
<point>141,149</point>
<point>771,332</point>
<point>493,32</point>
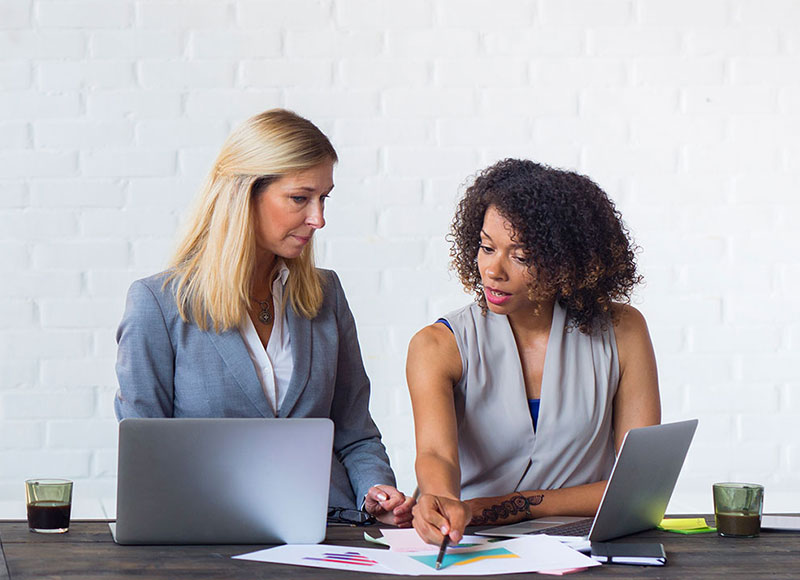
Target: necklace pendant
<point>264,316</point>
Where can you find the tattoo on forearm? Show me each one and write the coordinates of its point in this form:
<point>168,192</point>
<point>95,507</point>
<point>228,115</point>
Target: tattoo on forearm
<point>517,504</point>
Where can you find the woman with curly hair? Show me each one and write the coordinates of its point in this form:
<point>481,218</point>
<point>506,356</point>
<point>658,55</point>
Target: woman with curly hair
<point>522,399</point>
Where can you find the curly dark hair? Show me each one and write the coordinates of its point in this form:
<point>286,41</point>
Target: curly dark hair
<point>580,251</point>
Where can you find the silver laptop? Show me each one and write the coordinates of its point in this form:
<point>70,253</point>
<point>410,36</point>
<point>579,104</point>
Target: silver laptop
<point>223,481</point>
<point>637,493</point>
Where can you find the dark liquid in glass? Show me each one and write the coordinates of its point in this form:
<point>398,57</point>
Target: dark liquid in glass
<point>738,524</point>
<point>48,515</point>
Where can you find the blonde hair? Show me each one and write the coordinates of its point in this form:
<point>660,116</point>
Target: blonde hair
<point>213,265</point>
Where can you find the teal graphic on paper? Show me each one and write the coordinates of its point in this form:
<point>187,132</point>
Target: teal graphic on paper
<point>466,558</point>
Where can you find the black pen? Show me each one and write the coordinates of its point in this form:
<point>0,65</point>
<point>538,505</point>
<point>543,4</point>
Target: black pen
<point>442,550</point>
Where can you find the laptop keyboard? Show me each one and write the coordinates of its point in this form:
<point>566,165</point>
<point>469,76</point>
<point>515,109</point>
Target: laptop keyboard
<point>579,528</point>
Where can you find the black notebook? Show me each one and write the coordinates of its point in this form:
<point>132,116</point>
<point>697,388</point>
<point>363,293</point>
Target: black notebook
<point>650,554</point>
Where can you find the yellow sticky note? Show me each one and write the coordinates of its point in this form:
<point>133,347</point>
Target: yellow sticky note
<point>682,523</point>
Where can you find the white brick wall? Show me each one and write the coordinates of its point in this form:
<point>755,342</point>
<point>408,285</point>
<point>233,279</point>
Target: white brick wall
<point>686,112</point>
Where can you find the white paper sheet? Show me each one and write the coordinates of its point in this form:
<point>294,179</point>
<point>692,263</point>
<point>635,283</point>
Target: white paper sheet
<point>407,540</point>
<point>520,555</point>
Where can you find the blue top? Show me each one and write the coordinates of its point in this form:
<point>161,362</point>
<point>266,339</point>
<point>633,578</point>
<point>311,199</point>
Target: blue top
<point>533,404</point>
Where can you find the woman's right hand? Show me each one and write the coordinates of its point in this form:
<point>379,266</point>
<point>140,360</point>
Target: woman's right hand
<point>436,516</point>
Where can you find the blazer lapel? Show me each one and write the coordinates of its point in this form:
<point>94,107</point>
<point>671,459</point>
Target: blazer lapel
<point>300,331</point>
<point>233,351</point>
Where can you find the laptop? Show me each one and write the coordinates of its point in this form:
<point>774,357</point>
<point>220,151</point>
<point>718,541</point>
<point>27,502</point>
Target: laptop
<point>637,493</point>
<point>223,481</point>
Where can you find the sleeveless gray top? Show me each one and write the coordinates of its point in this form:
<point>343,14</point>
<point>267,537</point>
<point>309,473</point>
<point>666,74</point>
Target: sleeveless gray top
<point>498,449</point>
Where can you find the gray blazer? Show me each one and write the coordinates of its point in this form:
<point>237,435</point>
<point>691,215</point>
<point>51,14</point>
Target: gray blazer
<point>170,368</point>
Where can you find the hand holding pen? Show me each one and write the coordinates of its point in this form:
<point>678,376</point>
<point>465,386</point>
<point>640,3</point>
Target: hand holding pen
<point>437,517</point>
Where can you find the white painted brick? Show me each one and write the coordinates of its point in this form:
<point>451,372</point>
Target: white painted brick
<point>130,223</point>
<point>695,368</point>
<point>696,248</point>
<point>380,131</point>
<point>234,44</point>
<point>587,12</point>
<point>37,224</point>
<point>69,373</point>
<point>367,72</point>
<point>232,103</point>
<point>438,162</point>
<point>530,101</point>
<point>27,105</point>
<point>739,157</point>
<point>790,101</point>
<point>479,72</point>
<point>791,154</point>
<point>749,339</point>
<point>579,72</point>
<point>630,101</point>
<point>15,14</point>
<point>111,284</point>
<point>765,71</point>
<point>14,135</point>
<point>27,163</point>
<point>106,396</point>
<point>634,159</point>
<point>163,194</point>
<point>734,398</point>
<point>196,161</point>
<point>333,103</point>
<point>80,255</point>
<point>179,15</point>
<point>571,130</point>
<point>21,435</point>
<point>778,310</point>
<point>83,13</point>
<point>64,193</point>
<point>429,43</point>
<point>669,72</point>
<point>208,74</point>
<point>472,130</point>
<point>651,130</point>
<point>15,75</point>
<point>668,340</point>
<point>383,13</point>
<point>678,188</point>
<point>720,278</point>
<point>40,404</point>
<point>134,44</point>
<point>671,310</point>
<point>385,311</point>
<point>134,104</point>
<point>429,102</point>
<point>39,344</point>
<point>509,14</point>
<point>331,43</point>
<point>30,44</point>
<point>126,163</point>
<point>21,465</point>
<point>730,100</point>
<point>720,41</point>
<point>180,133</point>
<point>260,13</point>
<point>685,13</point>
<point>640,42</point>
<point>16,374</point>
<point>63,134</point>
<point>770,12</point>
<point>376,253</point>
<point>343,217</point>
<point>414,222</point>
<point>151,254</point>
<point>13,195</point>
<point>722,220</point>
<point>561,42</point>
<point>58,76</point>
<point>15,314</point>
<point>28,284</point>
<point>280,73</point>
<point>750,247</point>
<point>383,191</point>
<point>91,434</point>
<point>104,464</point>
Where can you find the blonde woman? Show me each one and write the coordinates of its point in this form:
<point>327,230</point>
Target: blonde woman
<point>243,324</point>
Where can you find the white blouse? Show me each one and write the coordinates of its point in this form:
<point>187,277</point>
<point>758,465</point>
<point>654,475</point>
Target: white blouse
<point>274,365</point>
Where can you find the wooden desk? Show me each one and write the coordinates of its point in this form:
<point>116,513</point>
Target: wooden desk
<point>88,551</point>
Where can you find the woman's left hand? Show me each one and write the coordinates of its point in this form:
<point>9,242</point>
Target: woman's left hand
<point>389,506</point>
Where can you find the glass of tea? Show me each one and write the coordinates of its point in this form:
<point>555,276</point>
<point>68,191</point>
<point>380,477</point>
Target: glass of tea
<point>49,504</point>
<point>737,509</point>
